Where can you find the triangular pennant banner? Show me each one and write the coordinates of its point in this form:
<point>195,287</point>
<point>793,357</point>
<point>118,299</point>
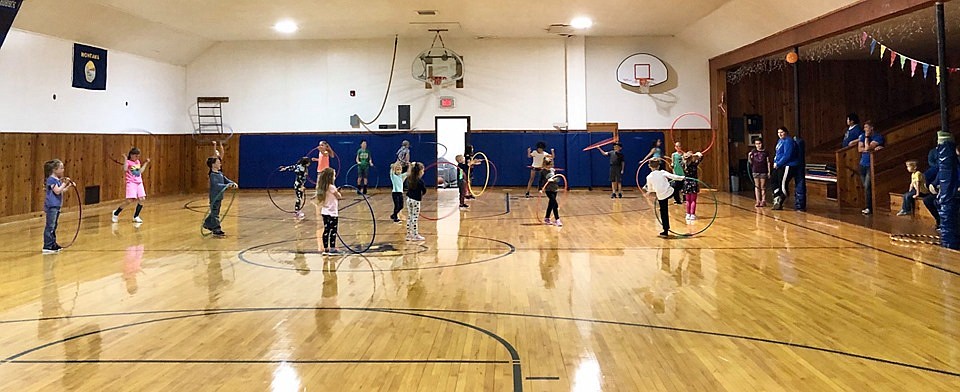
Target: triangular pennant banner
<point>883,49</point>
<point>893,57</point>
<point>938,74</point>
<point>926,67</point>
<point>873,46</point>
<point>903,62</point>
<point>913,68</point>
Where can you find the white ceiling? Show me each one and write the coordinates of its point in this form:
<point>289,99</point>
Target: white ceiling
<point>179,30</point>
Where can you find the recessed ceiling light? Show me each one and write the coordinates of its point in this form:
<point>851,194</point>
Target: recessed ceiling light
<point>581,22</point>
<point>286,26</point>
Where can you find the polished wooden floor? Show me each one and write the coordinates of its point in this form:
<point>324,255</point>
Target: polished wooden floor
<point>491,301</point>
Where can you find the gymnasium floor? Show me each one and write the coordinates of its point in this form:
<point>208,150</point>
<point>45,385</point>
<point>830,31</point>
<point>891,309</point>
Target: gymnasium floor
<point>491,301</point>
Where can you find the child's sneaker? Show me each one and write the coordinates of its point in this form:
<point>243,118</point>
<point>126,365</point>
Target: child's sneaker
<point>137,219</point>
<point>613,195</point>
<point>558,223</point>
<point>114,217</point>
<point>619,195</point>
<point>463,206</point>
<point>220,233</point>
<point>902,213</point>
<point>527,195</point>
<point>50,251</point>
<point>409,238</point>
<point>546,221</point>
<point>325,253</point>
<point>693,217</point>
<point>418,238</point>
<point>335,252</point>
<point>664,234</point>
<point>866,211</point>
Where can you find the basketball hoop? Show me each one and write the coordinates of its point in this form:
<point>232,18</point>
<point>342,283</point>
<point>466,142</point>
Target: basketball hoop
<point>644,85</point>
<point>437,80</point>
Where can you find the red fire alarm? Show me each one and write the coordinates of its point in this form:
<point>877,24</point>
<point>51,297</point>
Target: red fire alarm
<point>447,103</point>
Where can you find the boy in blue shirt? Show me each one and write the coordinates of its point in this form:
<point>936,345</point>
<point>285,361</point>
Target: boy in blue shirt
<point>55,185</point>
<point>869,142</point>
<point>786,164</point>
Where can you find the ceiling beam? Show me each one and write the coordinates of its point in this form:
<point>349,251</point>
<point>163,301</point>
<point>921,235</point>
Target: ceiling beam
<point>845,19</point>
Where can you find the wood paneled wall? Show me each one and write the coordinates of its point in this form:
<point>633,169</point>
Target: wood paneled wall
<point>829,90</point>
<point>178,165</point>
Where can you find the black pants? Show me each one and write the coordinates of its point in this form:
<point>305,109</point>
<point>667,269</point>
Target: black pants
<point>212,222</point>
<point>930,201</point>
<point>678,185</point>
<point>552,205</point>
<point>329,237</point>
<point>783,176</point>
<point>665,212</point>
<point>397,204</point>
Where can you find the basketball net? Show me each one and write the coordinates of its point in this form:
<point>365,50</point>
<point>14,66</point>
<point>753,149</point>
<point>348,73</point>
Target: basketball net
<point>437,80</point>
<point>644,85</point>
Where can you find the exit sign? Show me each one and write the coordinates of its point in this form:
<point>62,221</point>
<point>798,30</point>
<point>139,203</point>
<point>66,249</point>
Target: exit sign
<point>447,103</point>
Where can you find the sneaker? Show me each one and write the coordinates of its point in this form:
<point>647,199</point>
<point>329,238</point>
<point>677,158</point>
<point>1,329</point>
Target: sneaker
<point>325,253</point>
<point>299,215</point>
<point>335,252</point>
<point>114,217</point>
<point>397,221</point>
<point>409,238</point>
<point>137,219</point>
<point>527,195</point>
<point>866,211</point>
<point>679,203</point>
<point>464,206</point>
<point>664,234</point>
<point>49,251</point>
<point>546,221</point>
<point>470,197</point>
<point>558,223</point>
<point>418,238</point>
<point>902,213</point>
<point>613,195</point>
<point>693,217</point>
<point>619,195</point>
<point>220,233</point>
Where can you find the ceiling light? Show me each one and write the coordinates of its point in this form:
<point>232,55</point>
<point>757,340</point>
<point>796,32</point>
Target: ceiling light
<point>581,22</point>
<point>286,26</point>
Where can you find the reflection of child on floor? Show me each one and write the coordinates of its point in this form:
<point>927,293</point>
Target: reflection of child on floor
<point>131,267</point>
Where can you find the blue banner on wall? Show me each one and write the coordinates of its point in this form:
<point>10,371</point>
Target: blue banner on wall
<point>8,12</point>
<point>89,67</point>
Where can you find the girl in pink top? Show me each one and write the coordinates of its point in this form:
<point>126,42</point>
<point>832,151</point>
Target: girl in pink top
<point>323,162</point>
<point>329,200</point>
<point>132,174</point>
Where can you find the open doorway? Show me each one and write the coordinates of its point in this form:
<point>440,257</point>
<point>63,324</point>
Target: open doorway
<point>453,133</point>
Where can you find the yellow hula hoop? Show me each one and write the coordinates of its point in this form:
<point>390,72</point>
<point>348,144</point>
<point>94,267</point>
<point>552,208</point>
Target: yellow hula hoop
<point>485,182</point>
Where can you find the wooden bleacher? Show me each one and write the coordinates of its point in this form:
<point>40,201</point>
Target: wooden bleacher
<point>919,211</point>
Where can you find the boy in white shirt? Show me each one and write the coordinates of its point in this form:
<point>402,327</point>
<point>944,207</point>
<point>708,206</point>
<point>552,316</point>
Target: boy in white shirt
<point>658,181</point>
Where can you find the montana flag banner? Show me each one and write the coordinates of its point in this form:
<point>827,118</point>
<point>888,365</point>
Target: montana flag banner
<point>89,67</point>
<point>8,12</point>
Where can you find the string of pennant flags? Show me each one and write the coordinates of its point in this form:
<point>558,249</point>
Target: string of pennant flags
<point>904,60</point>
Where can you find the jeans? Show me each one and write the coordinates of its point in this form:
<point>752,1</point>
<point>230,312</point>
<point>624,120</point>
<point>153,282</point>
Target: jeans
<point>50,230</point>
<point>909,201</point>
<point>212,222</point>
<point>867,186</point>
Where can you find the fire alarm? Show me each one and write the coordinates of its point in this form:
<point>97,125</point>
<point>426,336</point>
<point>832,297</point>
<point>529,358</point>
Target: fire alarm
<point>447,103</point>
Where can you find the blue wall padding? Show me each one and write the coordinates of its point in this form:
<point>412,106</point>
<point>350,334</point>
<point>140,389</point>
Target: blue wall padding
<point>948,181</point>
<point>260,155</point>
<point>508,150</point>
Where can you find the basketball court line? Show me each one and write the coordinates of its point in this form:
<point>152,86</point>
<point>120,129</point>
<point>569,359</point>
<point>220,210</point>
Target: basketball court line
<point>514,355</point>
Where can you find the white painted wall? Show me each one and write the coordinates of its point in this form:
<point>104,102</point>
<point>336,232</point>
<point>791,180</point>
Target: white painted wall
<point>608,101</point>
<point>34,67</point>
<point>289,86</point>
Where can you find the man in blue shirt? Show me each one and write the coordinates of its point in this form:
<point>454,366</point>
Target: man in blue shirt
<point>786,164</point>
<point>854,131</point>
<point>869,142</point>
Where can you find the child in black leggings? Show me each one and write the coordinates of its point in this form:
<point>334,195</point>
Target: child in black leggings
<point>549,186</point>
<point>329,201</point>
<point>396,179</point>
<point>300,183</point>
